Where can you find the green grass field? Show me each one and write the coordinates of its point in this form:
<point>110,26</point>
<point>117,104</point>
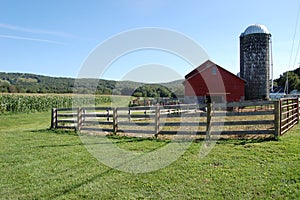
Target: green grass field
<point>37,163</point>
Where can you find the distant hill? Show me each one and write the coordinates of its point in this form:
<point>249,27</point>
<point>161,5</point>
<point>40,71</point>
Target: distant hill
<point>33,83</point>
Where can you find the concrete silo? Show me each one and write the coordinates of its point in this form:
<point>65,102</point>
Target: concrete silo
<point>255,61</point>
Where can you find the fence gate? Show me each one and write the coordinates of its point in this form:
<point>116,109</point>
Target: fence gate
<point>289,113</point>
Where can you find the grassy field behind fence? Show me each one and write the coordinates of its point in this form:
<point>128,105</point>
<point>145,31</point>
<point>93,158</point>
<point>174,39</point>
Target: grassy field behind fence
<point>37,163</point>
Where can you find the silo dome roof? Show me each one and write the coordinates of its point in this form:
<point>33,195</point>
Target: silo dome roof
<point>255,28</point>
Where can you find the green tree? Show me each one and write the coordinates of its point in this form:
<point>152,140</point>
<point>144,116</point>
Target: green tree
<point>293,80</point>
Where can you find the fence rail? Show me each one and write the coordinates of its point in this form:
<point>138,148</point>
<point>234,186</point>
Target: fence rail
<point>243,118</point>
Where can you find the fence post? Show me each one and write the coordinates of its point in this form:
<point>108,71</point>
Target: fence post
<point>107,114</point>
<point>54,118</point>
<point>277,121</point>
<point>208,120</point>
<point>129,118</point>
<point>115,120</point>
<point>297,100</point>
<point>157,120</point>
<point>79,119</point>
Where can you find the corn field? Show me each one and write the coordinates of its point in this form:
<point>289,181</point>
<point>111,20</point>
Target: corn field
<point>17,103</point>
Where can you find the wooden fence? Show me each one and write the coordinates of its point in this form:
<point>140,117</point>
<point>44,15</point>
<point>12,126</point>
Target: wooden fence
<point>244,118</point>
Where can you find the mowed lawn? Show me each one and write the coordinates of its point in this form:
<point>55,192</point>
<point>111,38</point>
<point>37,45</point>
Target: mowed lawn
<point>37,163</point>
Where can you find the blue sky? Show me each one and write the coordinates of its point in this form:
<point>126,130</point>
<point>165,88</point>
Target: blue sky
<point>54,37</point>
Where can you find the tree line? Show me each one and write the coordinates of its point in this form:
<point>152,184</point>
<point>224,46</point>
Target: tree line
<point>32,83</point>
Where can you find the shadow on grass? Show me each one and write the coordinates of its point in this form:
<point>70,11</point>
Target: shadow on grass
<point>241,141</point>
<point>71,188</point>
<point>256,140</point>
<point>249,140</point>
<point>116,139</point>
<point>135,139</point>
<point>56,131</point>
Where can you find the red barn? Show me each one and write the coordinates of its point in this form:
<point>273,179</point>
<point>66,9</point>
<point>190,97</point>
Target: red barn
<point>210,82</point>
